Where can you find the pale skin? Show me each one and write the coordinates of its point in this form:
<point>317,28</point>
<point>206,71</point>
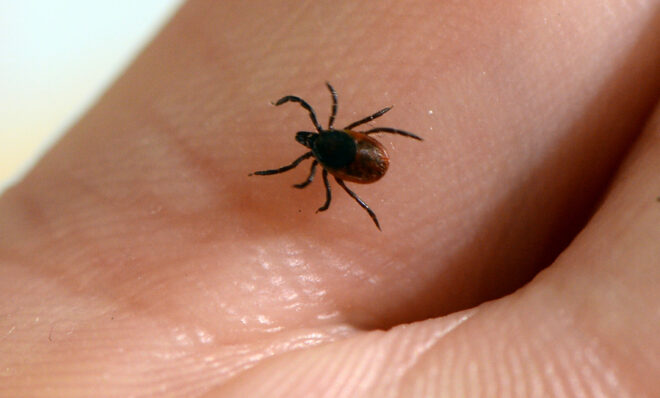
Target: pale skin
<point>139,259</point>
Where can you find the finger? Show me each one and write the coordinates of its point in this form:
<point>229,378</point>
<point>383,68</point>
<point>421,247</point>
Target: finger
<point>585,327</point>
<point>144,213</point>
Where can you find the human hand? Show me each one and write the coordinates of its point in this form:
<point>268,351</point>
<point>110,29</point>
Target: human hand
<point>138,259</point>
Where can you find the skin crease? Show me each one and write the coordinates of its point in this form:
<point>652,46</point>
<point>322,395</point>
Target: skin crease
<point>139,259</point>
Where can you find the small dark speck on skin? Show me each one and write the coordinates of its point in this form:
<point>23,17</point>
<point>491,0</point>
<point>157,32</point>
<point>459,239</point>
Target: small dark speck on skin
<point>657,199</point>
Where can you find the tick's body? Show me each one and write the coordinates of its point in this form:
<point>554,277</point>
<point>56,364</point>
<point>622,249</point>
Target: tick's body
<point>346,154</point>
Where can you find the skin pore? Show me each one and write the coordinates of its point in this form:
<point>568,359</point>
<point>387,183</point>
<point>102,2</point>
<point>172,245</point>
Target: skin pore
<point>138,259</point>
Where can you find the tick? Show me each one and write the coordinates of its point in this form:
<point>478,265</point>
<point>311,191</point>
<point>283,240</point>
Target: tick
<point>347,154</point>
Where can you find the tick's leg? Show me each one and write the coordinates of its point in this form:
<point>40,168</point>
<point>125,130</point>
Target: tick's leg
<point>360,202</point>
<point>328,192</point>
<point>283,169</point>
<point>305,105</point>
<point>391,130</point>
<point>368,118</point>
<point>334,105</point>
<point>310,178</point>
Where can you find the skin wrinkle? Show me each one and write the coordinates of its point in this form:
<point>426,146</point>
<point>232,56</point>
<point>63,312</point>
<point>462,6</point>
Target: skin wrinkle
<point>428,346</point>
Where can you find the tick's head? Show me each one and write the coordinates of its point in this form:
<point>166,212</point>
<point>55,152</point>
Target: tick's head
<point>306,138</point>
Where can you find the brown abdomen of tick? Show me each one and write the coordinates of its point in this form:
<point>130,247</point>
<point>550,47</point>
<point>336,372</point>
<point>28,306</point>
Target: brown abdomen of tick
<point>370,163</point>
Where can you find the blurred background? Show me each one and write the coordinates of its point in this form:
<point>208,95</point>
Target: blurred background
<point>56,58</point>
